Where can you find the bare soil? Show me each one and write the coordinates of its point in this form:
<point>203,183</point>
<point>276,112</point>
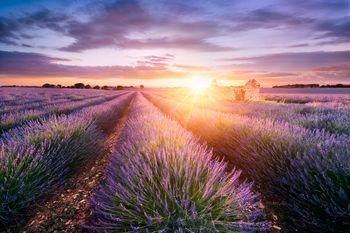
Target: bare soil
<point>68,208</point>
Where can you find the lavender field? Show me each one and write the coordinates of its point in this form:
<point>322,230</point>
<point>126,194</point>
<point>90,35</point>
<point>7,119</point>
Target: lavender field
<point>173,160</point>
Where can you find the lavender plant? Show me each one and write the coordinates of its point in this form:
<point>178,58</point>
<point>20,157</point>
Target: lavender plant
<point>306,172</point>
<point>11,120</point>
<point>165,181</point>
<point>330,119</point>
<point>36,157</point>
<point>37,104</point>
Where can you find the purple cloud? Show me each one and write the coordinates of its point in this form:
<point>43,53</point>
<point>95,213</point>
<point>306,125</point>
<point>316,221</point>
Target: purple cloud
<point>190,25</point>
<point>39,65</point>
<point>335,31</point>
<point>112,27</point>
<point>293,61</point>
<point>267,18</point>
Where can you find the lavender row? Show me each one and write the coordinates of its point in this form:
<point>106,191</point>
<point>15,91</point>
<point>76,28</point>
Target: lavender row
<point>330,99</point>
<point>307,173</point>
<point>24,96</point>
<point>9,110</point>
<point>322,118</point>
<point>333,120</point>
<point>43,103</point>
<point>165,181</point>
<point>330,119</point>
<point>11,120</point>
<point>38,156</point>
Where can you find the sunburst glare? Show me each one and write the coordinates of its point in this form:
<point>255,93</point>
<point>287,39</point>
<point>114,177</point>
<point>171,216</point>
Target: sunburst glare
<point>199,85</point>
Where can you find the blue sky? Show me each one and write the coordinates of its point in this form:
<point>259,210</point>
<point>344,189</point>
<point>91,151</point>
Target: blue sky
<point>165,42</point>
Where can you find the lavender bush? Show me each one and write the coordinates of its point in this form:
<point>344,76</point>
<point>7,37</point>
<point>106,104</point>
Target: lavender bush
<point>34,102</point>
<point>330,119</point>
<point>306,172</point>
<point>12,98</point>
<point>13,119</point>
<point>165,181</point>
<point>333,98</point>
<point>39,155</point>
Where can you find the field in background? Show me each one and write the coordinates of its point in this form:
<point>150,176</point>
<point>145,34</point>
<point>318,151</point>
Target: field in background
<point>337,97</point>
<point>185,161</point>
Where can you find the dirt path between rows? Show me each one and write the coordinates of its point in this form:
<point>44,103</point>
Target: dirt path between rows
<point>69,208</point>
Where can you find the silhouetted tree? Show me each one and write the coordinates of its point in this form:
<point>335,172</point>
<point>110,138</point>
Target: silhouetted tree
<point>48,85</point>
<point>104,88</point>
<point>87,86</point>
<point>120,87</point>
<point>79,85</point>
<point>97,87</point>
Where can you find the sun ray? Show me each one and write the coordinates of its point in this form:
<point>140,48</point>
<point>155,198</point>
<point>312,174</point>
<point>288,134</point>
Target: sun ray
<point>198,85</point>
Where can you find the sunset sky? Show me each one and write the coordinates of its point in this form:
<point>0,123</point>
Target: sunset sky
<point>168,42</point>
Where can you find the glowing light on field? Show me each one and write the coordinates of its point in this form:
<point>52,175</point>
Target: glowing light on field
<point>199,85</point>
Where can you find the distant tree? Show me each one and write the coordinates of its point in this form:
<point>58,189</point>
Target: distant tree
<point>97,87</point>
<point>87,86</point>
<point>105,88</point>
<point>59,86</point>
<point>120,87</point>
<point>142,86</point>
<point>48,85</point>
<point>79,85</point>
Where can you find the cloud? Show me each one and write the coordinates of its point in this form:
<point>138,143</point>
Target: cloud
<point>113,26</point>
<point>184,42</point>
<point>292,61</point>
<point>320,5</point>
<point>13,30</point>
<point>266,18</point>
<point>190,68</point>
<point>156,60</point>
<point>340,72</point>
<point>276,75</point>
<point>210,27</point>
<point>334,31</point>
<point>298,45</point>
<point>331,30</point>
<point>345,67</point>
<point>39,65</point>
<point>7,31</point>
<point>170,24</point>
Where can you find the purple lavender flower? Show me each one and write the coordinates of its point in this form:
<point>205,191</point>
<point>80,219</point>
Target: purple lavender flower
<point>161,179</point>
<point>307,172</point>
<point>39,155</point>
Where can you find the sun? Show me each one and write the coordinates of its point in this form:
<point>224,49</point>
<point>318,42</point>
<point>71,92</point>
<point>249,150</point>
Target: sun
<point>199,85</point>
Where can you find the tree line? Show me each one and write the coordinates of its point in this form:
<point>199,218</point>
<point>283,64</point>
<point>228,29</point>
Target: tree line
<point>313,86</point>
<point>87,86</point>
